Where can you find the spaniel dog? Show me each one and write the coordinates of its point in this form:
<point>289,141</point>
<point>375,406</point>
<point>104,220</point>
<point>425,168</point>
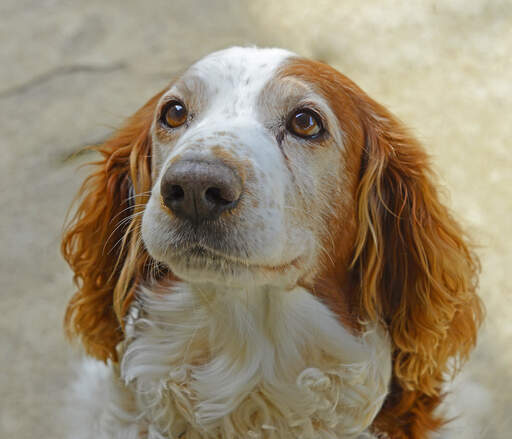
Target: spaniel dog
<point>261,252</point>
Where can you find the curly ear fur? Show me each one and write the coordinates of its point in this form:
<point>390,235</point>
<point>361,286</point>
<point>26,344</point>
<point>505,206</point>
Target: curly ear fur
<point>101,242</point>
<point>416,269</point>
<point>412,266</point>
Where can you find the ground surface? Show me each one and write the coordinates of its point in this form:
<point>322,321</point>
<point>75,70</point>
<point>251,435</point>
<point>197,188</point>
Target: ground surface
<point>71,71</point>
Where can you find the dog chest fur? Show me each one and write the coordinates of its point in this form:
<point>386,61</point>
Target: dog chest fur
<point>206,363</point>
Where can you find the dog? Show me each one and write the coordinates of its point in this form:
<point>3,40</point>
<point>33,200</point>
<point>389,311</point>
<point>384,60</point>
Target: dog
<point>261,252</point>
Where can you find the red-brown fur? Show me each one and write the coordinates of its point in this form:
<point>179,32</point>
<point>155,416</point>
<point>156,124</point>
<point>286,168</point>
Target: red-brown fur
<point>399,256</point>
<point>411,266</point>
<point>100,240</point>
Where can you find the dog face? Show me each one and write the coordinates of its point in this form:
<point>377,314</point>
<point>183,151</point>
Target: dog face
<point>248,163</point>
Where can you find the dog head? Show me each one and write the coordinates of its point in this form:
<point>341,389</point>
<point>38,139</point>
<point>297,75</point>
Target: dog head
<point>257,167</point>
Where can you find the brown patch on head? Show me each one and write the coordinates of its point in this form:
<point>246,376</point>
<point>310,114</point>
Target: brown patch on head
<point>332,281</point>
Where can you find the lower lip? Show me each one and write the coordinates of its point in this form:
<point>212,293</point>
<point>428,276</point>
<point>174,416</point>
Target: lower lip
<point>202,253</point>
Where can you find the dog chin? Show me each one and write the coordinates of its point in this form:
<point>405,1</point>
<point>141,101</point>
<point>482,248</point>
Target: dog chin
<point>199,265</point>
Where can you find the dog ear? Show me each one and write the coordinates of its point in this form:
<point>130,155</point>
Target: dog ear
<point>415,266</point>
<point>412,266</point>
<point>101,242</point>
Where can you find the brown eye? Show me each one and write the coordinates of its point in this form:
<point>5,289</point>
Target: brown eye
<point>174,114</point>
<point>305,123</point>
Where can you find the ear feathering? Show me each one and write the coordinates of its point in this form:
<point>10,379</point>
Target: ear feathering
<point>101,242</point>
<point>416,268</point>
<point>412,266</point>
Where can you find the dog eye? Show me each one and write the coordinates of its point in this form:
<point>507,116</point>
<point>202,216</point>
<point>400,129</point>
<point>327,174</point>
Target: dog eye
<point>305,123</point>
<point>174,114</point>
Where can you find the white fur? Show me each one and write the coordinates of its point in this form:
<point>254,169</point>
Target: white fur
<point>469,407</point>
<point>206,363</point>
<point>99,405</point>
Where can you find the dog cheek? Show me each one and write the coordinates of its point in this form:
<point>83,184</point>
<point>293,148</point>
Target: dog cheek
<point>152,230</point>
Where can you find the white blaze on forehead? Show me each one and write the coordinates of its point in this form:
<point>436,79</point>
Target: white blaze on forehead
<point>237,75</point>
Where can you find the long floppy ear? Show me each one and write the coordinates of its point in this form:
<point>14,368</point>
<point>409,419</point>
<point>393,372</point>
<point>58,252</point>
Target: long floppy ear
<point>416,269</point>
<point>101,242</point>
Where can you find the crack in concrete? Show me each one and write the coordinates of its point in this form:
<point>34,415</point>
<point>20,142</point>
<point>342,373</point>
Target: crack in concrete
<point>60,71</point>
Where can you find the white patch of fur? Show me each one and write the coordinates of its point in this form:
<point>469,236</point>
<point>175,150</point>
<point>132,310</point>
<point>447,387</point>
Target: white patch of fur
<point>262,364</point>
<point>468,406</point>
<point>99,405</point>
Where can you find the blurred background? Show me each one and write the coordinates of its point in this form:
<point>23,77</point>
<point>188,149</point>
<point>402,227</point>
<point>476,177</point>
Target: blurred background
<point>72,71</point>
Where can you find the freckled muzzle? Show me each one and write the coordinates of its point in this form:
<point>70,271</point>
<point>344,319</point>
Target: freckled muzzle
<point>199,190</point>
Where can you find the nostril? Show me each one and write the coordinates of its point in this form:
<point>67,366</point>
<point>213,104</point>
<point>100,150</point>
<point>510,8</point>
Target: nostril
<point>214,195</point>
<point>197,190</point>
<point>176,193</point>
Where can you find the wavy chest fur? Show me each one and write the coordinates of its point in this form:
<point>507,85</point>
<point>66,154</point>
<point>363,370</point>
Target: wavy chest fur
<point>266,364</point>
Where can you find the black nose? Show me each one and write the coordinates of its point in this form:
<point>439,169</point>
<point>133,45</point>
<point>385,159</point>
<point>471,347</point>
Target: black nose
<point>200,190</point>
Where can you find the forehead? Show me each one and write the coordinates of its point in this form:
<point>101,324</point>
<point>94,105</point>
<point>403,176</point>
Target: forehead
<point>237,72</point>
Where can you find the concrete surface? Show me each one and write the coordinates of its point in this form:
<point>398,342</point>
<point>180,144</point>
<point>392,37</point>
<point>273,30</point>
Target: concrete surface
<point>71,71</point>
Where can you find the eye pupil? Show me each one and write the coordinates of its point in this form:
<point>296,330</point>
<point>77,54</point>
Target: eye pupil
<point>176,111</point>
<point>175,114</point>
<point>304,120</point>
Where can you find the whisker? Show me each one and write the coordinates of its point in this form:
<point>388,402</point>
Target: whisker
<point>118,226</point>
<point>128,208</point>
<point>139,194</point>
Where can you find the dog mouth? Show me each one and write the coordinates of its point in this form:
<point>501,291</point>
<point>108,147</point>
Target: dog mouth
<point>201,256</point>
<point>203,251</point>
<point>223,250</point>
